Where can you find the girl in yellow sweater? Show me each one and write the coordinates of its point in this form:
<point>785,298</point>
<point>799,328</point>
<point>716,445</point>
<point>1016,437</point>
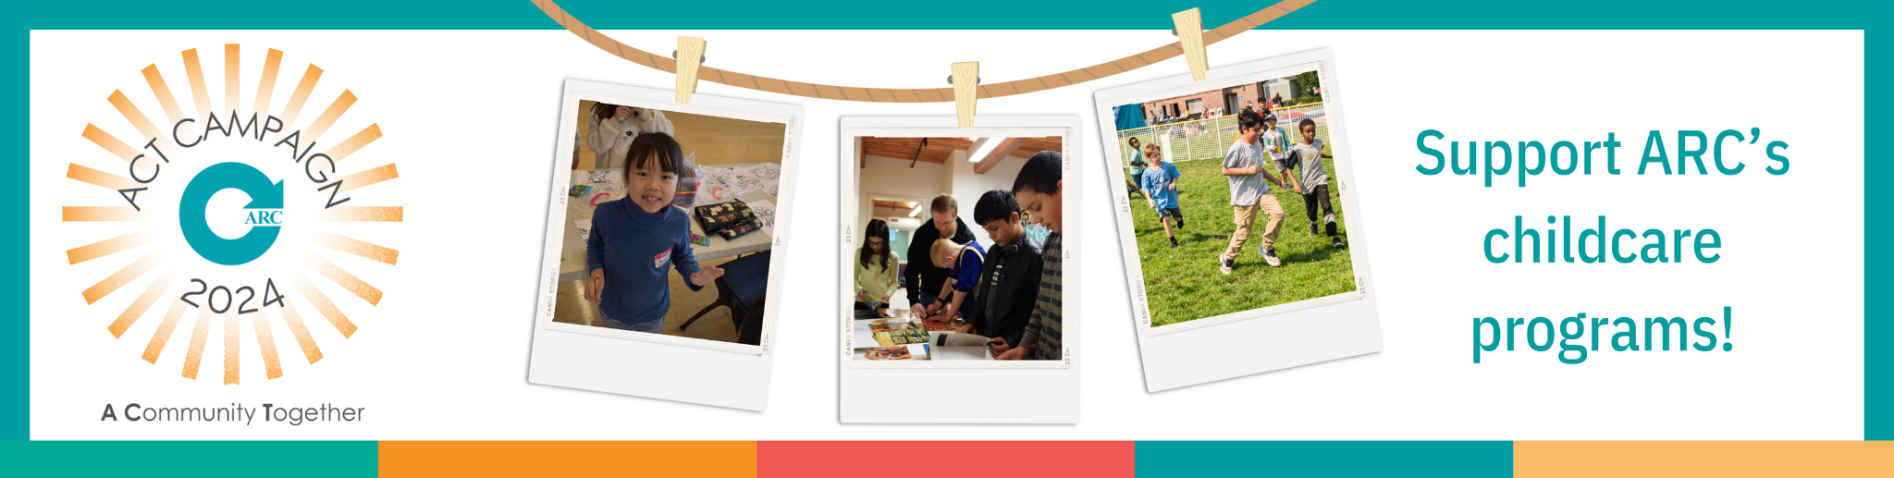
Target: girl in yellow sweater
<point>876,270</point>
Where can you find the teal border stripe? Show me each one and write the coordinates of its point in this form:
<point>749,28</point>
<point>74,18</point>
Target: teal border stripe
<point>193,459</point>
<point>1326,459</point>
<point>972,14</point>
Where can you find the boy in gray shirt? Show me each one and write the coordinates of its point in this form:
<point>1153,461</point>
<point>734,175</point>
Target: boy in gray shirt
<point>1249,193</point>
<point>1307,156</point>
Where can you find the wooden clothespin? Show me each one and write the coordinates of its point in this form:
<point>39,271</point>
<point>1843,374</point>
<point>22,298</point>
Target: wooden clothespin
<point>1189,24</point>
<point>966,81</point>
<point>690,54</point>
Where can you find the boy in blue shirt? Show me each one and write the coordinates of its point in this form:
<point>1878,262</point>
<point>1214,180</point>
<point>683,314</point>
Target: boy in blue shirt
<point>1160,187</point>
<point>640,238</point>
<point>963,262</point>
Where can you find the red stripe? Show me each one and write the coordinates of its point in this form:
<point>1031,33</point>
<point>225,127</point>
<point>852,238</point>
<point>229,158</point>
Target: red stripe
<point>946,459</point>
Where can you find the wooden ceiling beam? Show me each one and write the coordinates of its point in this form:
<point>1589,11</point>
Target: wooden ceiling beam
<point>1006,148</point>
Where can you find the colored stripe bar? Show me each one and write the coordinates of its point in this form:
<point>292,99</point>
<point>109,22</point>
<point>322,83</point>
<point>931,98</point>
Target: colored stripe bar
<point>1589,459</point>
<point>946,459</point>
<point>1326,459</point>
<point>555,458</point>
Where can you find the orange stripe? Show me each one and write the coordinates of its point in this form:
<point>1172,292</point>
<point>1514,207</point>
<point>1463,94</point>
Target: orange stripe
<point>109,246</point>
<point>354,143</point>
<point>163,92</point>
<point>163,335</point>
<point>195,72</point>
<point>131,113</point>
<point>266,343</point>
<point>109,143</point>
<point>118,279</point>
<point>356,246</point>
<point>301,96</point>
<point>100,214</point>
<point>99,178</point>
<point>547,458</point>
<point>336,109</point>
<point>343,278</point>
<point>141,304</point>
<point>232,327</point>
<point>200,332</point>
<point>323,305</point>
<point>360,214</point>
<point>267,85</point>
<point>370,177</point>
<point>232,346</point>
<point>1590,459</point>
<point>301,333</point>
<point>233,75</point>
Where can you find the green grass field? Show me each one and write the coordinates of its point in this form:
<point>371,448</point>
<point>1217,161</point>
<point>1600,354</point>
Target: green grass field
<point>1183,284</point>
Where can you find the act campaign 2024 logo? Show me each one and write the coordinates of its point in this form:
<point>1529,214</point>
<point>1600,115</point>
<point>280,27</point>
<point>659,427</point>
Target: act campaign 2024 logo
<point>221,231</point>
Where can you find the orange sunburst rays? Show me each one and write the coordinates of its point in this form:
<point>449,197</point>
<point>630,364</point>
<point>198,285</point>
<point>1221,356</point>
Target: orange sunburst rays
<point>152,169</point>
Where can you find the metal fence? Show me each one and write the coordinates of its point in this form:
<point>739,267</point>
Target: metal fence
<point>1210,138</point>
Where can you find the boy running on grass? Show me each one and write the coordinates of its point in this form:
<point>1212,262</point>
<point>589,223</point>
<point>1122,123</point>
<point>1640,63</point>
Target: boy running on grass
<point>1160,191</point>
<point>1249,194</point>
<point>1308,155</point>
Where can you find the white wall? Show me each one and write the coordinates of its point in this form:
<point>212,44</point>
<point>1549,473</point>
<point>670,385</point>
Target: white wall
<point>968,187</point>
<point>891,177</point>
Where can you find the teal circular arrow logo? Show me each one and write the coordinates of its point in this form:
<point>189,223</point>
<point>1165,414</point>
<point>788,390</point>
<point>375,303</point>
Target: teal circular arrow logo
<point>264,195</point>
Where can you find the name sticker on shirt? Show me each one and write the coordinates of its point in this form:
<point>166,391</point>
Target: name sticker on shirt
<point>662,257</point>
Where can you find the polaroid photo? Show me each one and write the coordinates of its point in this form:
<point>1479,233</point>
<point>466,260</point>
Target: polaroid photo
<point>662,245</point>
<point>1243,243</point>
<point>955,267</point>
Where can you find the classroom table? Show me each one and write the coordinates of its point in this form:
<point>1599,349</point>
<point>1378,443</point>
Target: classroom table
<point>864,337</point>
<point>572,263</point>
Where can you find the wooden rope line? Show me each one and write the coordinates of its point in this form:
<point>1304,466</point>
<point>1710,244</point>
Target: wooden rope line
<point>916,95</point>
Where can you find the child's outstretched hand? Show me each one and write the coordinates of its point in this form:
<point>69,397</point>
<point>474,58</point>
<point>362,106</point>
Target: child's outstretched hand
<point>1016,353</point>
<point>595,285</point>
<point>998,347</point>
<point>706,276</point>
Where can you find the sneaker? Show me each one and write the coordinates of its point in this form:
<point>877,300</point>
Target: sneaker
<point>1339,244</point>
<point>1225,264</point>
<point>1311,229</point>
<point>1180,223</point>
<point>1173,243</point>
<point>1269,255</point>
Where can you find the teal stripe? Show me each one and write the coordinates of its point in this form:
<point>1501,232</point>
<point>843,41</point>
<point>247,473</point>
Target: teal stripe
<point>963,15</point>
<point>199,459</point>
<point>1326,459</point>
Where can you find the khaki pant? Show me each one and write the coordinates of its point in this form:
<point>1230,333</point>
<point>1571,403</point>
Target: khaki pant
<point>1246,220</point>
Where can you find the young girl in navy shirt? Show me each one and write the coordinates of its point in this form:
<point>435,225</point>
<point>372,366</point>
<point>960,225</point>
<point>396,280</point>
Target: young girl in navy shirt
<point>636,240</point>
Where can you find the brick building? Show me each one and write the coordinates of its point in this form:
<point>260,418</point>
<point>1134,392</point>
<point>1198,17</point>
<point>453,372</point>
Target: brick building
<point>1230,99</point>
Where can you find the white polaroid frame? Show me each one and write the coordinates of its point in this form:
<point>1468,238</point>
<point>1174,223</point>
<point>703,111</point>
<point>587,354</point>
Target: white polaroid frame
<point>962,380</point>
<point>588,357</point>
<point>1257,340</point>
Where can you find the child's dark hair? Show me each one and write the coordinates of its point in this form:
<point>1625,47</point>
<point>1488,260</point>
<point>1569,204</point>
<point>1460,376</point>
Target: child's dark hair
<point>1304,124</point>
<point>995,205</point>
<point>1248,120</point>
<point>602,110</point>
<point>1041,173</point>
<point>658,147</point>
<point>876,228</point>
